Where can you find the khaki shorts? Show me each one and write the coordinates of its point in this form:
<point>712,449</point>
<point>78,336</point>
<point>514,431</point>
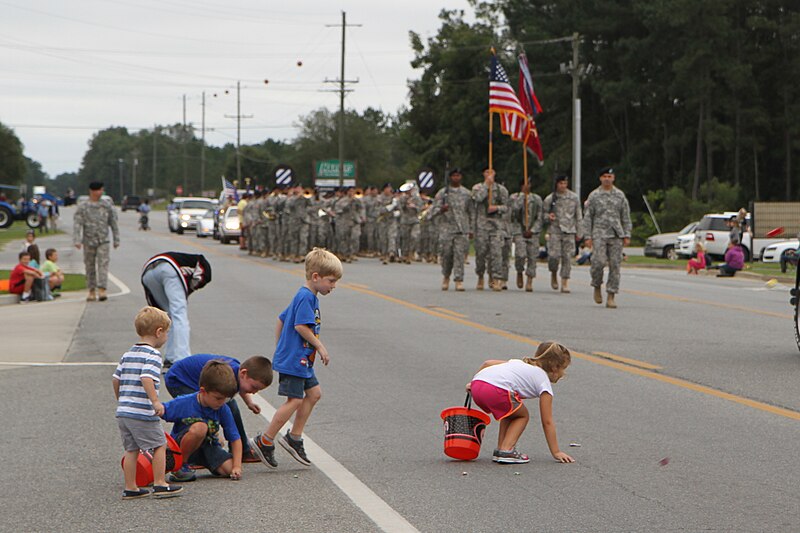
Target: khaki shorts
<point>141,434</point>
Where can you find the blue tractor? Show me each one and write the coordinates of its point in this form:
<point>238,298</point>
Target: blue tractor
<point>23,210</point>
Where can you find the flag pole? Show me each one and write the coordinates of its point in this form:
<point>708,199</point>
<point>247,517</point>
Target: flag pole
<point>491,122</point>
<point>525,179</point>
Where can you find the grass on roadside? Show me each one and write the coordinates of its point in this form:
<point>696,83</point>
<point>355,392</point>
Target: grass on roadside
<point>72,282</point>
<point>756,267</point>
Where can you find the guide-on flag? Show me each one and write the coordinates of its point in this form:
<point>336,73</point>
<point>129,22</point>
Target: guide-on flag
<point>531,106</point>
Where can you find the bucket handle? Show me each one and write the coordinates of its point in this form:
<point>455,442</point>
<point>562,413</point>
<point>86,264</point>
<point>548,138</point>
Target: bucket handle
<point>468,401</point>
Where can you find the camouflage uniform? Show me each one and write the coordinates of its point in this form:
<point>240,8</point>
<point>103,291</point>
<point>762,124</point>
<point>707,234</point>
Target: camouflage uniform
<point>91,223</point>
<point>359,217</point>
<point>346,210</point>
<point>428,237</point>
<point>249,219</point>
<point>564,231</point>
<point>273,208</point>
<point>490,230</point>
<point>372,208</point>
<point>607,221</point>
<point>387,224</point>
<point>454,227</point>
<point>526,249</point>
<point>410,207</point>
<point>262,228</point>
<point>303,220</point>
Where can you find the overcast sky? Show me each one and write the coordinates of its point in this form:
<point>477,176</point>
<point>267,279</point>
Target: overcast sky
<point>71,68</point>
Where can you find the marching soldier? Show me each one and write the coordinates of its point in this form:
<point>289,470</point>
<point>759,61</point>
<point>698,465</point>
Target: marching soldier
<point>387,224</point>
<point>491,206</point>
<point>452,212</point>
<point>346,210</point>
<point>525,231</point>
<point>92,221</point>
<point>372,208</point>
<point>562,211</point>
<point>410,207</point>
<point>249,218</point>
<point>273,208</point>
<point>607,227</point>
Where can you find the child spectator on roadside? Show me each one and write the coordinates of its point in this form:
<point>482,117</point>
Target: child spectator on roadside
<point>51,268</point>
<point>253,375</point>
<point>198,418</point>
<point>500,386</point>
<point>297,346</point>
<point>41,289</point>
<point>136,382</point>
<point>698,262</point>
<point>734,261</point>
<point>22,278</point>
<point>30,238</point>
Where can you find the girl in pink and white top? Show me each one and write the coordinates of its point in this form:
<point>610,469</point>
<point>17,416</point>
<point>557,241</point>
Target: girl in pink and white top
<point>500,386</point>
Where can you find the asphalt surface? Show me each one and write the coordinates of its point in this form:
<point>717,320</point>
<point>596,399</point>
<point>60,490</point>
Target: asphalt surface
<point>706,441</point>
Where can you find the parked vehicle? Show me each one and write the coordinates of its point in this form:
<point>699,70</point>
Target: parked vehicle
<point>713,231</point>
<point>663,244</point>
<point>130,202</point>
<point>684,245</point>
<point>182,215</point>
<point>773,252</point>
<point>205,224</point>
<point>229,227</point>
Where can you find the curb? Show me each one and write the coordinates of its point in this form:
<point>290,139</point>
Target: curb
<point>742,274</point>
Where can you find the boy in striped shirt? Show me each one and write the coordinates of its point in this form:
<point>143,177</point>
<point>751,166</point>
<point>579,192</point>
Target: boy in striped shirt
<point>136,382</point>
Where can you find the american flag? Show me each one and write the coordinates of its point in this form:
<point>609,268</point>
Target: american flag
<point>503,100</point>
<point>229,190</point>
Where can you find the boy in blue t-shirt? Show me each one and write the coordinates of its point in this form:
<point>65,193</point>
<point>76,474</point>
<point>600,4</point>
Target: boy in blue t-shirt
<point>198,418</point>
<point>252,375</point>
<point>298,344</point>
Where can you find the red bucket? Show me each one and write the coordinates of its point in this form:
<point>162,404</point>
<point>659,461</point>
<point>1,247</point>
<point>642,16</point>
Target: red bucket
<point>463,431</point>
<point>144,463</point>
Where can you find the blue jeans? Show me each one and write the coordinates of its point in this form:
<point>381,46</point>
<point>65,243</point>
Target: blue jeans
<point>167,289</point>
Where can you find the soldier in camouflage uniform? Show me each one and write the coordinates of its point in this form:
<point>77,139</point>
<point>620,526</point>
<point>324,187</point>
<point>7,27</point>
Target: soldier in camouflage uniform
<point>274,206</point>
<point>347,216</point>
<point>490,229</point>
<point>249,219</point>
<point>262,226</point>
<point>359,217</point>
<point>92,220</point>
<point>303,220</point>
<point>372,210</point>
<point>387,224</point>
<point>562,211</point>
<point>607,227</point>
<point>452,213</point>
<point>428,236</point>
<point>410,208</point>
<point>525,233</point>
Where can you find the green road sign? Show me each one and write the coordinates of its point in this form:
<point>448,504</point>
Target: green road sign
<point>329,168</point>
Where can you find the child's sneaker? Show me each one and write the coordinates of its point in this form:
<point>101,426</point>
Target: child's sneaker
<point>294,447</point>
<point>265,453</point>
<point>496,454</point>
<point>249,456</point>
<point>512,457</point>
<point>166,491</point>
<point>134,494</point>
<point>184,475</point>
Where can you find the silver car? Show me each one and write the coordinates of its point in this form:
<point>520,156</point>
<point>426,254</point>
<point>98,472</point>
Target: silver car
<point>229,228</point>
<point>663,244</point>
<point>205,224</point>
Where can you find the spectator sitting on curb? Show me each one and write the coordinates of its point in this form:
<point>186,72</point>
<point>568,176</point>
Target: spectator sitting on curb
<point>22,278</point>
<point>698,262</point>
<point>51,268</point>
<point>734,261</point>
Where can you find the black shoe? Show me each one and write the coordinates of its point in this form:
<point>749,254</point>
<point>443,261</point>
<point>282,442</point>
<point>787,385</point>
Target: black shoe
<point>134,494</point>
<point>166,491</point>
<point>263,452</point>
<point>295,448</point>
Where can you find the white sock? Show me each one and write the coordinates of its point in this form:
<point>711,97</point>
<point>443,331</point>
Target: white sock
<point>26,294</point>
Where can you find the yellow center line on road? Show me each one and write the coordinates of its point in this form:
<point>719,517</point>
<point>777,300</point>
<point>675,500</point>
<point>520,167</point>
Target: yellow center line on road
<point>360,286</point>
<point>626,360</point>
<point>448,311</point>
<point>706,302</point>
<point>646,373</point>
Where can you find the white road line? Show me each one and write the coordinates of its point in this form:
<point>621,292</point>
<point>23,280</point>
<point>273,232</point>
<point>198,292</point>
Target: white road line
<point>118,282</point>
<point>365,499</point>
<point>76,363</point>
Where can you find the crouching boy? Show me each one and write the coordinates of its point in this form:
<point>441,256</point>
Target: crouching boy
<point>198,418</point>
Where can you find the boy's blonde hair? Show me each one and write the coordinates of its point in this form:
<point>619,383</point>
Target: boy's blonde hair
<point>217,376</point>
<point>324,263</point>
<point>550,357</point>
<point>149,319</point>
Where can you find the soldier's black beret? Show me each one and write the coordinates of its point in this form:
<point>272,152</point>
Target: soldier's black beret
<point>95,185</point>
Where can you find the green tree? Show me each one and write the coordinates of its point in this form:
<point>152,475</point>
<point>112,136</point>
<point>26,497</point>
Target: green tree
<point>12,162</point>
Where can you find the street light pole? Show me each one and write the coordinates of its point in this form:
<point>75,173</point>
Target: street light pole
<point>120,162</point>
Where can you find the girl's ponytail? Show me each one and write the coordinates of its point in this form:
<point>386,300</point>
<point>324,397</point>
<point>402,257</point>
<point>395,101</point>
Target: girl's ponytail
<point>550,357</point>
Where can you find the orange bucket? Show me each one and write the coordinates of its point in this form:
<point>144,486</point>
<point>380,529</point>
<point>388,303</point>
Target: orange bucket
<point>144,463</point>
<point>3,285</point>
<point>463,431</point>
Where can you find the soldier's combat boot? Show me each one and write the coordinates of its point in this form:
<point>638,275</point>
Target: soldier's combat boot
<point>479,286</point>
<point>610,303</point>
<point>504,284</point>
<point>384,260</point>
<point>529,284</point>
<point>565,285</point>
<point>101,295</point>
<point>519,280</point>
<point>445,283</point>
<point>497,285</point>
<point>392,257</point>
<point>459,286</point>
<point>554,281</point>
<point>598,296</point>
<point>91,297</point>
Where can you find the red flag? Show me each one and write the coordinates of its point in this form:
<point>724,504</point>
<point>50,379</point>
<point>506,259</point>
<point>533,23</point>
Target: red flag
<point>531,106</point>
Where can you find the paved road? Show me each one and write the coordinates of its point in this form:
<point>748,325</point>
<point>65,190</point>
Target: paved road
<point>710,385</point>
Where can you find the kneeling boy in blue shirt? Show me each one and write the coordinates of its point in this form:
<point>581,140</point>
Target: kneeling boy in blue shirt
<point>198,418</point>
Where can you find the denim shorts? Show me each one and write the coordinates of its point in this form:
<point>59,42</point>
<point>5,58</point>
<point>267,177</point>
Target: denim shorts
<point>294,386</point>
<point>207,455</point>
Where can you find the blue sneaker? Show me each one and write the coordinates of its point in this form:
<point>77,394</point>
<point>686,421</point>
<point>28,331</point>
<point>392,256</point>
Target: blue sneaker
<point>184,475</point>
<point>265,453</point>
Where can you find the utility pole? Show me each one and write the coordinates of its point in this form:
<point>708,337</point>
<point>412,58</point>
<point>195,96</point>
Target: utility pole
<point>342,90</point>
<point>203,148</point>
<point>135,164</point>
<point>185,179</point>
<point>576,117</point>
<point>120,162</point>
<point>238,116</point>
<point>155,155</point>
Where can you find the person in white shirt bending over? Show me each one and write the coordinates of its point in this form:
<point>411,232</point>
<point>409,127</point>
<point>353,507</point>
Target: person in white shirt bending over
<point>500,386</point>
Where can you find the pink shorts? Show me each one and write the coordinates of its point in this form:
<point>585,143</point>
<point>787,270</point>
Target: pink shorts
<point>500,403</point>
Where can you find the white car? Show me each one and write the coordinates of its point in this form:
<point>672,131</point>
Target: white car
<point>773,252</point>
<point>205,224</point>
<point>684,245</point>
<point>229,228</point>
<point>183,215</point>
